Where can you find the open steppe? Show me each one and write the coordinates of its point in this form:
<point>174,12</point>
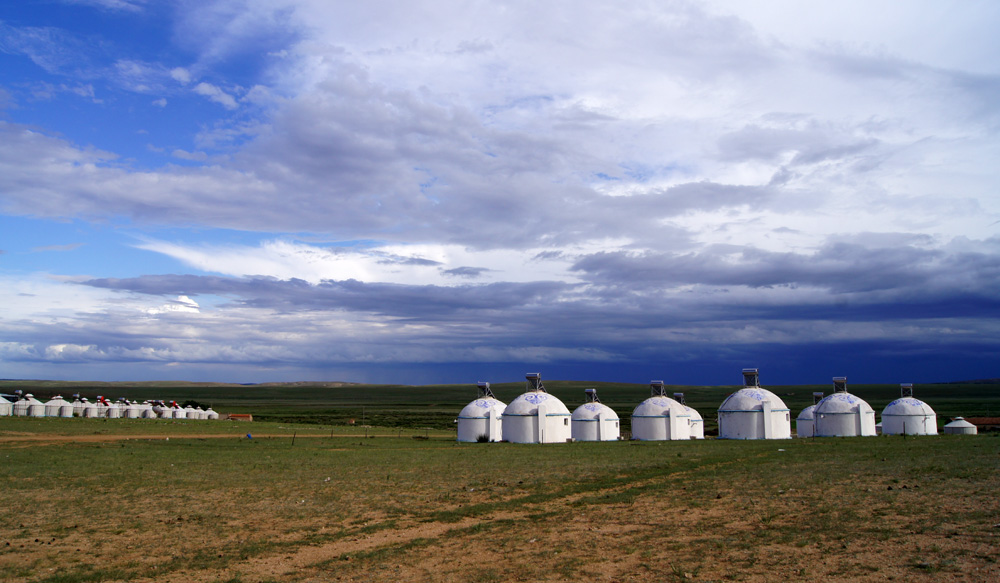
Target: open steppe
<point>140,500</point>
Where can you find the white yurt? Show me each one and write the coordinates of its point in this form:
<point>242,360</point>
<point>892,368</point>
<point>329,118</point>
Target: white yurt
<point>211,415</point>
<point>6,407</point>
<point>536,416</point>
<point>162,410</point>
<point>697,421</point>
<point>131,410</point>
<point>147,411</point>
<point>842,414</point>
<point>91,410</point>
<point>908,416</point>
<point>30,406</point>
<point>660,418</point>
<point>959,426</point>
<point>804,423</point>
<point>176,411</point>
<point>58,407</point>
<point>190,412</point>
<point>595,421</point>
<point>112,410</point>
<point>77,406</point>
<point>482,418</point>
<point>754,412</point>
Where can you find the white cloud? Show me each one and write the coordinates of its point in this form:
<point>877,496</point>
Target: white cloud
<point>216,94</point>
<point>181,75</point>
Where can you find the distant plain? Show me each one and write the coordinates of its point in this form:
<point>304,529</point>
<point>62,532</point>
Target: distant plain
<point>311,497</point>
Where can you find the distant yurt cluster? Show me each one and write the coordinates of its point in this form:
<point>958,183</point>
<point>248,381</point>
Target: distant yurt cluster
<point>752,412</point>
<point>842,414</point>
<point>26,405</point>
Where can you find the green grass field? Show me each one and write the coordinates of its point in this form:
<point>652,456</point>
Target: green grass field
<point>87,500</point>
<point>414,407</point>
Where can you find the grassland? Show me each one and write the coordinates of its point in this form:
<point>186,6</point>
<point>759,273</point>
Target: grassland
<point>116,500</point>
<point>435,407</point>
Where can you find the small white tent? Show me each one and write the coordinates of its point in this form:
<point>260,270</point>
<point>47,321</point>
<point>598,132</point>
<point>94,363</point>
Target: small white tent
<point>482,418</point>
<point>660,418</point>
<point>804,423</point>
<point>78,406</point>
<point>697,421</point>
<point>147,411</point>
<point>595,421</point>
<point>58,407</point>
<point>536,416</point>
<point>908,416</point>
<point>753,412</point>
<point>959,426</point>
<point>29,406</point>
<point>131,409</point>
<point>842,414</point>
<point>6,407</point>
<point>112,410</point>
<point>90,410</point>
<point>210,414</point>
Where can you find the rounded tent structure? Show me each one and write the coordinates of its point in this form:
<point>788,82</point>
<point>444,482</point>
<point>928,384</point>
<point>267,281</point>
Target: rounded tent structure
<point>843,414</point>
<point>805,423</point>
<point>660,418</point>
<point>754,412</point>
<point>147,411</point>
<point>697,421</point>
<point>90,410</point>
<point>58,407</point>
<point>132,410</point>
<point>482,419</point>
<point>112,410</point>
<point>595,421</point>
<point>162,410</point>
<point>6,407</point>
<point>536,416</point>
<point>78,405</point>
<point>908,416</point>
<point>29,406</point>
<point>959,426</point>
<point>211,415</point>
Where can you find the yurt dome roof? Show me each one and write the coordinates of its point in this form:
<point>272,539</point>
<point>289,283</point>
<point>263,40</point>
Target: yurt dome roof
<point>527,404</point>
<point>959,422</point>
<point>695,415</point>
<point>659,407</point>
<point>807,414</point>
<point>480,408</point>
<point>841,403</point>
<point>592,411</point>
<point>907,406</point>
<point>751,399</point>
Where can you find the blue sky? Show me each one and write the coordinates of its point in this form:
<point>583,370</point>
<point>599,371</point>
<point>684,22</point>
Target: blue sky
<point>430,192</point>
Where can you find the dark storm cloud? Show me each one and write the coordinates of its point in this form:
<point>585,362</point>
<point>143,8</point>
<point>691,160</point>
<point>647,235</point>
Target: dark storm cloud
<point>466,272</point>
<point>838,267</point>
<point>396,300</point>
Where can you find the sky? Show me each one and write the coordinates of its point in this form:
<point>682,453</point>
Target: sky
<point>450,192</point>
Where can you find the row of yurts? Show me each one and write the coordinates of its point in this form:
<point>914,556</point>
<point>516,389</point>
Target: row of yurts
<point>28,406</point>
<point>750,413</point>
